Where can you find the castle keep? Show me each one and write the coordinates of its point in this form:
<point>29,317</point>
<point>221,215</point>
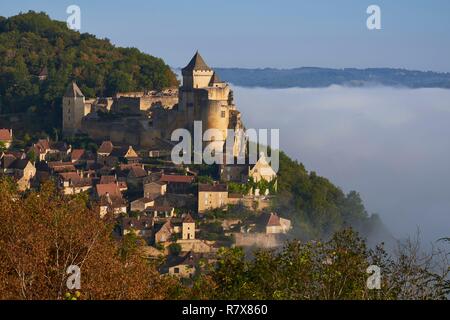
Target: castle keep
<point>147,119</point>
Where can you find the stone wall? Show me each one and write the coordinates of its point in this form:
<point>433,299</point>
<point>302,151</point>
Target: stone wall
<point>260,240</point>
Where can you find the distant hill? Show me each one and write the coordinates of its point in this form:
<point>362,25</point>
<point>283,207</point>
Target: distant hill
<point>309,77</point>
<point>33,45</point>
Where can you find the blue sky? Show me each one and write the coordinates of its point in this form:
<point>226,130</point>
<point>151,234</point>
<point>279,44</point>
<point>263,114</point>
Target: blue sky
<point>257,33</point>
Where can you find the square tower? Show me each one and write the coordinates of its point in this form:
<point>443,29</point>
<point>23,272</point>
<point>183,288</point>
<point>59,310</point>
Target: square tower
<point>73,109</point>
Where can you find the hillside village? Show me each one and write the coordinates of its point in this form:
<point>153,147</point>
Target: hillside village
<point>184,213</point>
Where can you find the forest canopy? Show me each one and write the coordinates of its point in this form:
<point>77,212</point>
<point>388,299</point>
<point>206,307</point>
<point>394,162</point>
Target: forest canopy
<point>31,43</point>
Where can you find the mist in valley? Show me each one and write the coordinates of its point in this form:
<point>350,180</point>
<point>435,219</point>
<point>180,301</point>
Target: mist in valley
<point>392,145</point>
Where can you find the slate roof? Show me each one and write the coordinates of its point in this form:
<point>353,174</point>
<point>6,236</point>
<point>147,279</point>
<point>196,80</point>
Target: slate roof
<point>215,79</point>
<point>196,63</point>
<point>73,91</point>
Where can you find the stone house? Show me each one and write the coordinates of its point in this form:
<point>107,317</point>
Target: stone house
<point>141,225</point>
<point>155,188</point>
<point>188,228</point>
<point>160,211</point>
<point>272,224</point>
<point>142,204</point>
<point>164,232</point>
<point>73,183</point>
<point>177,183</point>
<point>212,197</point>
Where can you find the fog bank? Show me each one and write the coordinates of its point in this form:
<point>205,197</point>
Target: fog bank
<point>391,145</point>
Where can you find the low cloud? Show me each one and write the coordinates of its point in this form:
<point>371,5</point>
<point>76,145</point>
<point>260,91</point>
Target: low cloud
<point>392,145</point>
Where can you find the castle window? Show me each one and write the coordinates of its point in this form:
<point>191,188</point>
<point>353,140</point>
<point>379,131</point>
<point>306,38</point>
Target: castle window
<point>222,113</point>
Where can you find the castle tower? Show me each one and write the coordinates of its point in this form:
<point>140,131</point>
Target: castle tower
<point>204,97</point>
<point>197,74</point>
<point>188,228</point>
<point>74,109</point>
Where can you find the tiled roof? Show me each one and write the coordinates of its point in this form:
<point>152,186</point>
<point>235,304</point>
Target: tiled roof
<point>272,220</point>
<point>212,187</point>
<point>69,176</point>
<point>176,178</point>
<point>138,172</point>
<point>106,147</point>
<point>188,219</point>
<point>5,134</point>
<point>196,63</point>
<point>111,188</point>
<point>106,179</point>
<point>138,223</point>
<point>112,201</point>
<point>77,154</point>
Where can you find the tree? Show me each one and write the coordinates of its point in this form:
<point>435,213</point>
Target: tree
<point>43,233</point>
<point>174,249</point>
<point>335,269</point>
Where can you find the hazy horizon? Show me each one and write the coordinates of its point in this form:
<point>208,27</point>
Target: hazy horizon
<point>389,144</point>
<point>327,34</point>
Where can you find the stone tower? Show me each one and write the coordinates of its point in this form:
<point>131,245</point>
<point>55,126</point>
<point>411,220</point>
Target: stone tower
<point>204,97</point>
<point>188,228</point>
<point>74,109</point>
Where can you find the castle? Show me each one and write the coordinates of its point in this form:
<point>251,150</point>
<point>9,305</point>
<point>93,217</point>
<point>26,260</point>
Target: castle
<point>147,119</point>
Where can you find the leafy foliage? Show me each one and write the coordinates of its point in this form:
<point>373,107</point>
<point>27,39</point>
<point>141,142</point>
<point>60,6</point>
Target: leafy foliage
<point>43,233</point>
<point>316,206</point>
<point>336,270</point>
<point>30,42</point>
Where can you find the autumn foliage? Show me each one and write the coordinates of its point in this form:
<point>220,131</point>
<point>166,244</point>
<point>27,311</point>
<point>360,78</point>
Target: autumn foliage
<point>43,233</point>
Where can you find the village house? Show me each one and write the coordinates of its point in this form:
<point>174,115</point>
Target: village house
<point>111,199</point>
<point>142,204</point>
<point>142,226</point>
<point>164,231</point>
<point>183,266</point>
<point>237,173</point>
<point>160,211</point>
<point>104,151</point>
<point>44,149</point>
<point>73,183</point>
<point>56,167</point>
<point>212,197</point>
<point>121,155</point>
<point>155,188</point>
<point>6,137</point>
<point>188,228</point>
<point>271,223</point>
<point>135,175</point>
<point>177,183</point>
<point>108,179</point>
<point>22,170</point>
